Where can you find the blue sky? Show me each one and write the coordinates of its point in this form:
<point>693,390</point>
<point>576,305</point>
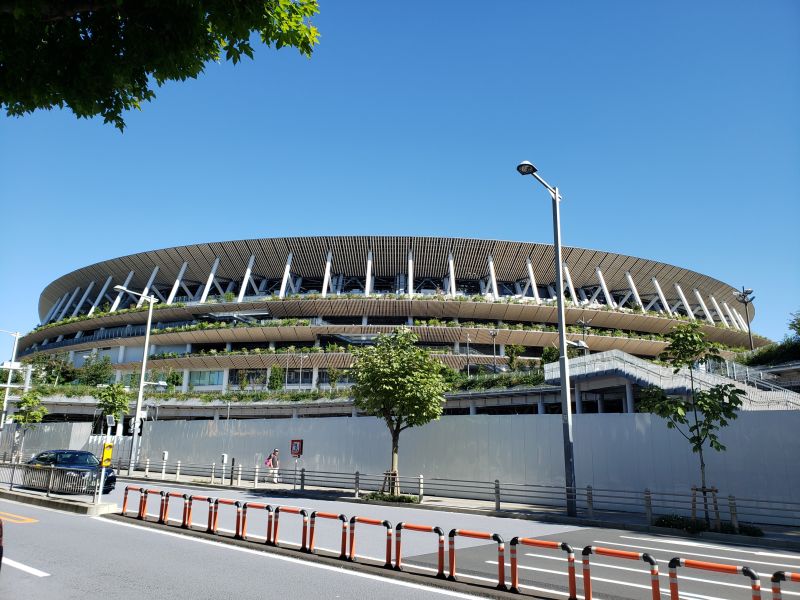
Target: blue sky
<point>672,130</point>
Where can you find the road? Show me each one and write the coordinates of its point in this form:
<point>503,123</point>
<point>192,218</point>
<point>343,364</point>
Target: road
<point>88,558</point>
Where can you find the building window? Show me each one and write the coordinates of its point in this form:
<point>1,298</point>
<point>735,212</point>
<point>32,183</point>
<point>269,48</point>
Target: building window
<point>205,378</point>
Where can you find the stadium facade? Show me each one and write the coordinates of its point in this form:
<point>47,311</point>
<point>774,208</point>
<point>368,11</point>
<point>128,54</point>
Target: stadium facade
<point>230,312</point>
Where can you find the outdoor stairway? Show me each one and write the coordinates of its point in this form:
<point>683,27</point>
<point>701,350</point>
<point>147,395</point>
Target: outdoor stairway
<point>761,394</point>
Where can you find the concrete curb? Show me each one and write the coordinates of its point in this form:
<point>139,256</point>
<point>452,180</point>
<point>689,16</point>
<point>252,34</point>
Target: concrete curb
<point>732,539</point>
<point>484,591</point>
<point>65,504</point>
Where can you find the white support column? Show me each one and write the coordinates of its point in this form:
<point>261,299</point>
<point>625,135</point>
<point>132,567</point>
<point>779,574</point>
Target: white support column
<point>634,291</point>
<point>706,312</point>
<point>730,315</point>
<point>410,273</point>
<point>246,278</point>
<point>121,355</point>
<point>209,281</point>
<point>176,286</point>
<point>532,281</point>
<point>287,271</point>
<point>662,297</point>
<point>368,279</point>
<point>185,381</point>
<point>720,314</point>
<point>629,407</point>
<point>53,309</point>
<point>82,300</point>
<point>493,279</point>
<point>64,310</point>
<point>606,293</point>
<point>314,378</point>
<point>741,319</point>
<point>118,299</point>
<point>451,267</point>
<point>100,296</point>
<point>146,290</point>
<point>225,377</point>
<point>568,277</point>
<point>326,280</point>
<point>685,302</point>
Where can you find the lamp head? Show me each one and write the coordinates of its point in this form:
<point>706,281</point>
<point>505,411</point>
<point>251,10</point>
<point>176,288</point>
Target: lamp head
<point>748,291</point>
<point>119,288</point>
<point>526,168</point>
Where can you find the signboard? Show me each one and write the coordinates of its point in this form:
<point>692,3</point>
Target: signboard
<point>108,450</point>
<point>296,448</point>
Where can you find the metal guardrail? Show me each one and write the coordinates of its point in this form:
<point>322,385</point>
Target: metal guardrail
<point>725,511</point>
<point>52,480</point>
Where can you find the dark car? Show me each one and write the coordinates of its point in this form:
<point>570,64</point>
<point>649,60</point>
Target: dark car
<point>76,468</point>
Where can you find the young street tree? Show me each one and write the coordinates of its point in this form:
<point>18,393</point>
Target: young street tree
<point>400,383</point>
<point>29,413</point>
<point>102,57</point>
<point>699,416</point>
<point>113,400</point>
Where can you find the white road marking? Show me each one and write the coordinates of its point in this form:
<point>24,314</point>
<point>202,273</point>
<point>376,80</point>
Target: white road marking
<point>711,546</point>
<point>30,570</point>
<point>749,561</point>
<point>646,573</point>
<point>297,561</point>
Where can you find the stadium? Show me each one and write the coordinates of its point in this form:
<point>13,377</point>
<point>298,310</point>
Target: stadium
<point>229,314</point>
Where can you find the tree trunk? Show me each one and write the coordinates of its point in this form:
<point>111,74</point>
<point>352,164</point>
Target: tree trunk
<point>700,452</point>
<point>394,477</point>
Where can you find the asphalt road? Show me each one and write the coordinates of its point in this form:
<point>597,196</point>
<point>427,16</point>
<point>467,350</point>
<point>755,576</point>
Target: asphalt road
<point>95,557</point>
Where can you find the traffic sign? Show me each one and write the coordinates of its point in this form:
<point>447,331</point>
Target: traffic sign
<point>296,448</point>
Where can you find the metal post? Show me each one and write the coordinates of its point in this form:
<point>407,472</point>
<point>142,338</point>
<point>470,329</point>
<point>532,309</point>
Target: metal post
<point>213,468</point>
<point>163,470</point>
<point>421,490</point>
<point>590,501</point>
<point>468,340</point>
<point>717,520</point>
<point>566,401</point>
<point>648,506</point>
<point>233,465</point>
<point>493,333</point>
<point>302,479</point>
<point>497,495</point>
<point>356,486</point>
<point>136,420</point>
<point>147,468</point>
<point>178,472</point>
<point>50,480</point>
<point>734,513</point>
<point>255,478</point>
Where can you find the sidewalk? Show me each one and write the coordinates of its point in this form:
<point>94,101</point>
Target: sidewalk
<point>774,536</point>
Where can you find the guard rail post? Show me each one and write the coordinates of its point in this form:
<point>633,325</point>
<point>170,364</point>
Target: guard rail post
<point>163,470</point>
<point>648,506</point>
<point>398,545</point>
<point>147,469</point>
<point>717,520</point>
<point>13,471</point>
<point>178,472</point>
<point>227,502</point>
<point>302,479</point>
<point>734,513</point>
<point>143,504</point>
<point>497,495</point>
<point>573,588</point>
<point>164,516</point>
<point>130,488</point>
<point>777,578</point>
<point>209,527</point>
<point>365,521</point>
<point>755,580</point>
<point>479,535</point>
<point>590,501</point>
<point>213,468</point>
<point>421,489</point>
<point>239,476</point>
<point>312,531</point>
<point>249,505</point>
<point>295,511</point>
<point>255,478</point>
<point>50,480</point>
<point>356,485</point>
<point>655,587</point>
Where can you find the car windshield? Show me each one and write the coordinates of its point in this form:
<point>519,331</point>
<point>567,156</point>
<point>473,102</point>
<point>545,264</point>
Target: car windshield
<point>76,459</point>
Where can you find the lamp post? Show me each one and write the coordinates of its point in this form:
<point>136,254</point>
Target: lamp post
<point>493,333</point>
<point>526,168</point>
<point>16,335</point>
<point>584,324</point>
<point>745,297</point>
<point>151,300</point>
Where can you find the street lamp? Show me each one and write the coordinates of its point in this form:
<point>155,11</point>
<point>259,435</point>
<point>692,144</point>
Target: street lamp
<point>584,324</point>
<point>151,300</point>
<point>745,297</point>
<point>526,168</point>
<point>16,335</point>
<point>493,333</point>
